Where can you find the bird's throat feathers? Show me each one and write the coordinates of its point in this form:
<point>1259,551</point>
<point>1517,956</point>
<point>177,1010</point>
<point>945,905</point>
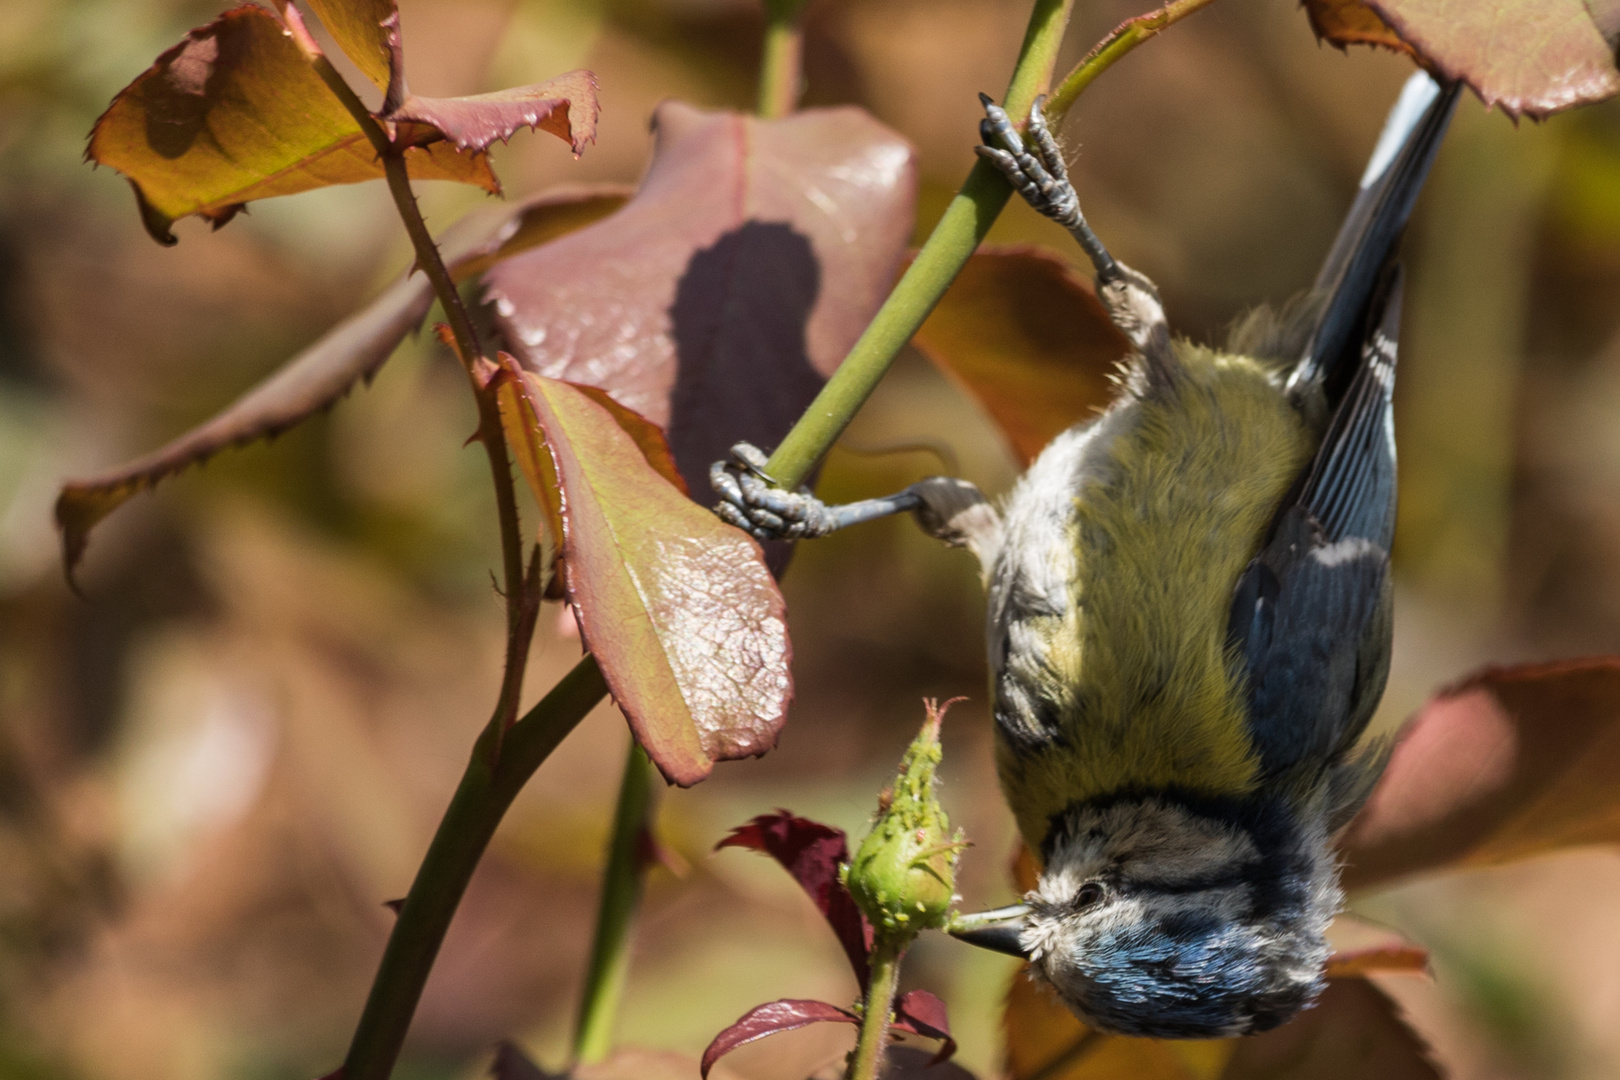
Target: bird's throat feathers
<point>1133,685</point>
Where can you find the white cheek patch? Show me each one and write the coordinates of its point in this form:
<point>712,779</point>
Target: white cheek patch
<point>1347,550</point>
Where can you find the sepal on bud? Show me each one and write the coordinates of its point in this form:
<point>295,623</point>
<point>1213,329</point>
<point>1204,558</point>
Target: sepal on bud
<point>903,875</point>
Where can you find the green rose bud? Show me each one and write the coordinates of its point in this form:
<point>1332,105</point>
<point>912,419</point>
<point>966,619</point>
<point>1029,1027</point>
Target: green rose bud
<point>903,875</point>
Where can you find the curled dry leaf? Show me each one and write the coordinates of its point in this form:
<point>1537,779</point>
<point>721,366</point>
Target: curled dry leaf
<point>1510,762</point>
<point>718,300</point>
<point>812,853</point>
<point>235,113</point>
<point>1025,335</point>
<point>1531,57</point>
<point>326,371</point>
<point>679,609</point>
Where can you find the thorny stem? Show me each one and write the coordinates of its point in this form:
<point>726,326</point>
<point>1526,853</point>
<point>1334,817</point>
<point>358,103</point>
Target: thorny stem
<point>622,881</point>
<point>966,220</point>
<point>509,750</point>
<point>487,788</point>
<point>781,74</point>
<point>866,1061</point>
<point>1125,37</point>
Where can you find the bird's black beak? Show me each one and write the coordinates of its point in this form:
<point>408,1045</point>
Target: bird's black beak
<point>996,930</point>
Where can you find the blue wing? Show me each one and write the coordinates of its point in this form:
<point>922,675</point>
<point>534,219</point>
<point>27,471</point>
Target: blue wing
<point>1310,618</point>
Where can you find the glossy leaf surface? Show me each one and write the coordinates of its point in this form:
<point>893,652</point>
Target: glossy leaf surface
<point>812,853</point>
<point>679,609</point>
<point>717,301</point>
<point>235,113</point>
<point>327,370</point>
<point>362,29</point>
<point>1509,763</point>
<point>1532,57</point>
<point>789,1014</point>
<point>1025,335</point>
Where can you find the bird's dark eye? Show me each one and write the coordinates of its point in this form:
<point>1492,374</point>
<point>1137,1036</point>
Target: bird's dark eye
<point>1090,894</point>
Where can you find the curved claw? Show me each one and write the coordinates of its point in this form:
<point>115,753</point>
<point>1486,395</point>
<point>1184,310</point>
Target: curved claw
<point>750,500</point>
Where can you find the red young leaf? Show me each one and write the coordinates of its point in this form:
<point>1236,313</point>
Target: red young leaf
<point>679,609</point>
<point>1410,959</point>
<point>1025,335</point>
<point>716,302</point>
<point>762,1020</point>
<point>921,1013</point>
<point>1510,762</point>
<point>1533,57</point>
<point>812,853</point>
<point>235,113</point>
<point>353,350</point>
<point>1354,1032</point>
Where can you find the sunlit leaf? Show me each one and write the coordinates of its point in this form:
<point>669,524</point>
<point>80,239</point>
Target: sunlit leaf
<point>353,350</point>
<point>1355,1032</point>
<point>1532,57</point>
<point>679,609</point>
<point>236,113</point>
<point>1511,762</point>
<point>720,297</point>
<point>812,853</point>
<point>1026,336</point>
<point>361,28</point>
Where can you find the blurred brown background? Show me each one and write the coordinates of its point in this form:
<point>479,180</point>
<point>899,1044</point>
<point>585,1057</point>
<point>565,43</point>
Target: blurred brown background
<point>214,771</point>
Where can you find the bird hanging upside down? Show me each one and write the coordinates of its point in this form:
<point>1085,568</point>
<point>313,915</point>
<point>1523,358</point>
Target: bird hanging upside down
<point>1189,621</point>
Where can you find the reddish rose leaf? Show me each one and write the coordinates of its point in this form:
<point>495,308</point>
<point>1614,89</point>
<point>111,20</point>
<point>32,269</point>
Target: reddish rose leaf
<point>921,1013</point>
<point>716,302</point>
<point>353,350</point>
<point>236,113</point>
<point>1531,57</point>
<point>1354,1032</point>
<point>1381,959</point>
<point>679,609</point>
<point>776,1016</point>
<point>812,853</point>
<point>1511,762</point>
<point>1025,335</point>
<point>566,106</point>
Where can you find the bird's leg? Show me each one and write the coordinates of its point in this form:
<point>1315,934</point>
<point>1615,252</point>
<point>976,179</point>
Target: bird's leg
<point>1034,165</point>
<point>947,509</point>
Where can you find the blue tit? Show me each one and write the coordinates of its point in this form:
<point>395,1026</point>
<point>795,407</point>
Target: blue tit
<point>1189,621</point>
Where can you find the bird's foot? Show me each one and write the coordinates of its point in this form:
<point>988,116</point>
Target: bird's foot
<point>750,500</point>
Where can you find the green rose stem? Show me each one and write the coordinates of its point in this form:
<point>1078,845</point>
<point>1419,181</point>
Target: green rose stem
<point>622,882</point>
<point>781,73</point>
<point>1125,37</point>
<point>872,1046</point>
<point>504,757</point>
